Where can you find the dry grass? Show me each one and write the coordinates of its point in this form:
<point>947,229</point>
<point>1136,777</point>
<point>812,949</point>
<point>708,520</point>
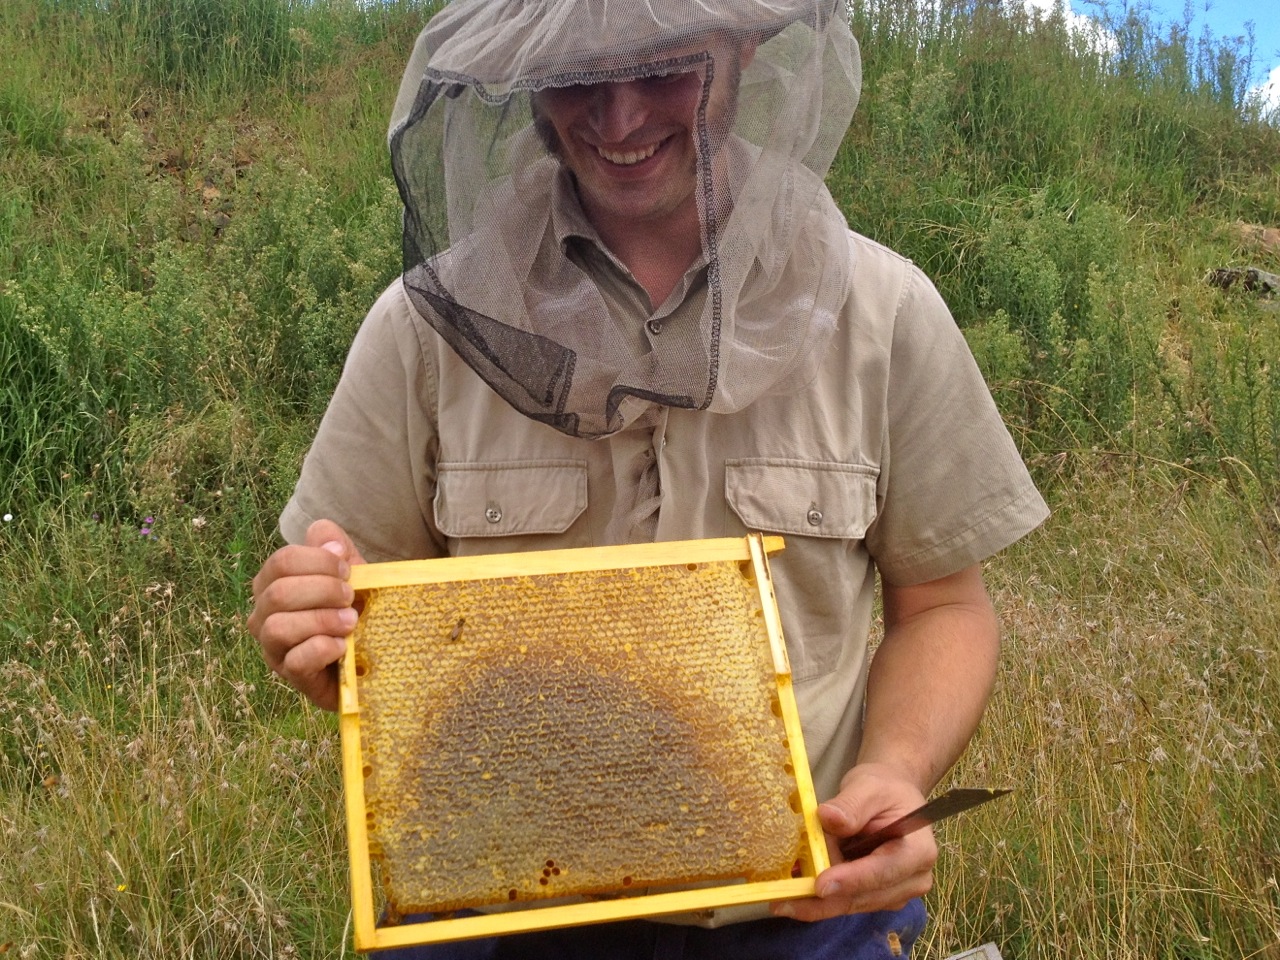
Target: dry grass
<point>1136,716</point>
<point>160,797</point>
<point>155,800</point>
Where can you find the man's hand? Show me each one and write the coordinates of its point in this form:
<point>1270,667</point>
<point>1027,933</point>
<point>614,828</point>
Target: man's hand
<point>885,879</point>
<point>926,690</point>
<point>302,610</point>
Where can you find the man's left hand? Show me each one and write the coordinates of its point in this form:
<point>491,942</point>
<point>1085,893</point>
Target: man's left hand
<point>870,797</point>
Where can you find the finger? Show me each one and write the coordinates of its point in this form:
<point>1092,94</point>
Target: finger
<point>308,591</point>
<point>883,880</point>
<point>894,897</point>
<point>872,887</point>
<point>896,864</point>
<point>290,610</point>
<point>842,816</point>
<point>283,631</point>
<point>840,820</point>
<point>331,537</point>
<point>299,561</point>
<point>848,813</point>
<point>312,669</point>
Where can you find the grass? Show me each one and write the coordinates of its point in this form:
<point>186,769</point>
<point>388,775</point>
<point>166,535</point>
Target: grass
<point>187,243</point>
<point>1134,716</point>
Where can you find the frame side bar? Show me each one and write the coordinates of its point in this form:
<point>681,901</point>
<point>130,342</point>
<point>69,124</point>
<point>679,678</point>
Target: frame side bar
<point>817,844</point>
<point>363,921</point>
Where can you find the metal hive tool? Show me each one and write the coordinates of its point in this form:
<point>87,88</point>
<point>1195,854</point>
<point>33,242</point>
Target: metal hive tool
<point>572,736</point>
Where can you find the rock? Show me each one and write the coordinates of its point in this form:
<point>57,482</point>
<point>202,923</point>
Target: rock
<point>1265,238</point>
<point>1251,278</point>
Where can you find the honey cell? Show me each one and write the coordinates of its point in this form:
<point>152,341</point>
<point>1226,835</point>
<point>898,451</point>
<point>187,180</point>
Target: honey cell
<point>572,734</point>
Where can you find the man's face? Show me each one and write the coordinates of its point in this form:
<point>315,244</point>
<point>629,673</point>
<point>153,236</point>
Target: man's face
<point>631,144</point>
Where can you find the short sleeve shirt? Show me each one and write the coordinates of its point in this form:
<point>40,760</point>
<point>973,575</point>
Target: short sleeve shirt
<point>892,458</point>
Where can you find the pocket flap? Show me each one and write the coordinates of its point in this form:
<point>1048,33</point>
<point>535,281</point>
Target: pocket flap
<point>509,499</point>
<point>804,497</point>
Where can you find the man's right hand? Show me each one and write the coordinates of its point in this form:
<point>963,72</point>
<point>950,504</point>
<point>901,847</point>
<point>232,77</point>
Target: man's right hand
<point>302,610</point>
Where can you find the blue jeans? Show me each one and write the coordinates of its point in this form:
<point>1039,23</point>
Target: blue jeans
<point>860,936</point>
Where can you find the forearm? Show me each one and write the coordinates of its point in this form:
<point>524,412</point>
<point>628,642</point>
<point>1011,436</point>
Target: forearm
<point>931,677</point>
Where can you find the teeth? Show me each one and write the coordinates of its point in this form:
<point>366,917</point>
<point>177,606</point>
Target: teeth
<point>630,157</point>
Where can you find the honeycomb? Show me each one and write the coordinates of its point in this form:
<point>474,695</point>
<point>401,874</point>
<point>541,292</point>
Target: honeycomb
<point>586,733</point>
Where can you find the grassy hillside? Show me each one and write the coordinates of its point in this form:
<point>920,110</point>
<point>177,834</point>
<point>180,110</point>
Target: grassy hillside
<point>195,211</point>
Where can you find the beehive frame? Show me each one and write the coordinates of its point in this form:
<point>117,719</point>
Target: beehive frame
<point>747,555</point>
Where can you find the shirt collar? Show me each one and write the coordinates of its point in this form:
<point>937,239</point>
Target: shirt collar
<point>569,223</point>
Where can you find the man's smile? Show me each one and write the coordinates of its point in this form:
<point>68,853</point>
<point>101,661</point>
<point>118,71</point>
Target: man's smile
<point>628,158</point>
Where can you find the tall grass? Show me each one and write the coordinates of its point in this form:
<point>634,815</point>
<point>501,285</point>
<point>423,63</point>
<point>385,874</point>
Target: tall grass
<point>1135,716</point>
<point>196,209</point>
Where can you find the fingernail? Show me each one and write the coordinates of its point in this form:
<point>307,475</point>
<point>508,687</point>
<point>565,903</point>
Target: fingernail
<point>334,547</point>
<point>830,813</point>
<point>347,617</point>
<point>830,889</point>
<point>784,910</point>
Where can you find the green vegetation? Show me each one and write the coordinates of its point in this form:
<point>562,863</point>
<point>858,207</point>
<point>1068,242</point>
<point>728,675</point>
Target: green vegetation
<point>195,211</point>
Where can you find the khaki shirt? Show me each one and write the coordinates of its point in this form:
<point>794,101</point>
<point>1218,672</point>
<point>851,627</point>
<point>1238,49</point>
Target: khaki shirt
<point>892,458</point>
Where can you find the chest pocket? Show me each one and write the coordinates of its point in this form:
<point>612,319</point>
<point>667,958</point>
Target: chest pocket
<point>825,578</point>
<point>477,502</point>
<point>808,498</point>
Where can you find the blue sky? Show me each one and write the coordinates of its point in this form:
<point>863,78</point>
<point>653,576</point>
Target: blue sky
<point>1227,18</point>
<point>1224,18</point>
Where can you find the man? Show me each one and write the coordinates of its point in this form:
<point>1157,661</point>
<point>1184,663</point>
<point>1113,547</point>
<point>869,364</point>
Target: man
<point>631,311</point>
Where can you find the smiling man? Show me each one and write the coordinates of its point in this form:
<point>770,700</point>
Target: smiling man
<point>630,311</point>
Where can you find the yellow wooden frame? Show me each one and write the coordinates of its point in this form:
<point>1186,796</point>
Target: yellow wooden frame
<point>753,549</point>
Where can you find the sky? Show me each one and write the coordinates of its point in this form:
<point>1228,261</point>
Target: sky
<point>1225,19</point>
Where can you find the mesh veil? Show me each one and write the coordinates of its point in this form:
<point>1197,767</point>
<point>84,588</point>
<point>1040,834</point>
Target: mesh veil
<point>491,212</point>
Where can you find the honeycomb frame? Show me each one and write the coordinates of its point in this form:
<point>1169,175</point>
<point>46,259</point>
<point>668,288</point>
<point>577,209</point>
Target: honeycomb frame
<point>372,744</point>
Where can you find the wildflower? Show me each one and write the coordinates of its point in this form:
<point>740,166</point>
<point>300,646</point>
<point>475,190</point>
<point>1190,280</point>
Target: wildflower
<point>198,522</point>
<point>145,531</point>
<point>8,518</point>
<point>121,887</point>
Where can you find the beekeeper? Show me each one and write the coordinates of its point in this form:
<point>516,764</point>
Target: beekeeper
<point>631,311</point>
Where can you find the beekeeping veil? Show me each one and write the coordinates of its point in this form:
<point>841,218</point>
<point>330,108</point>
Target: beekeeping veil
<point>489,255</point>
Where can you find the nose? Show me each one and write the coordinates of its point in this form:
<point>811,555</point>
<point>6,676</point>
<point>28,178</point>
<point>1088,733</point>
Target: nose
<point>618,110</point>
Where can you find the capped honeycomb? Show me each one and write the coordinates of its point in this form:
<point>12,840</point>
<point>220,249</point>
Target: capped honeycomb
<point>585,733</point>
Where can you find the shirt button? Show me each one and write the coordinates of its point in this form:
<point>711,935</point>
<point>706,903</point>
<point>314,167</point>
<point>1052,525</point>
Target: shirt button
<point>493,514</point>
<point>814,516</point>
<point>654,326</point>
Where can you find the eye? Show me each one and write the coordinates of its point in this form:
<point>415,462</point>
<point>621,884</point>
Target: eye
<point>672,80</point>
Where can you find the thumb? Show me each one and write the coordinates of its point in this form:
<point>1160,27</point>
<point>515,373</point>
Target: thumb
<point>329,536</point>
<point>840,816</point>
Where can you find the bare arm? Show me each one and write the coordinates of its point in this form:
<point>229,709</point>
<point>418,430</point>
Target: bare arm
<point>931,677</point>
<point>929,683</point>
